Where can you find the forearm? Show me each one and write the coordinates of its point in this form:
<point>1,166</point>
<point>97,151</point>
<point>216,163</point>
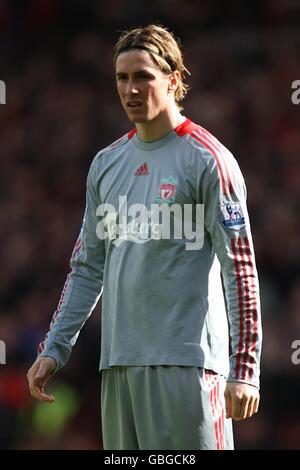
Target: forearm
<point>79,297</point>
<point>243,304</point>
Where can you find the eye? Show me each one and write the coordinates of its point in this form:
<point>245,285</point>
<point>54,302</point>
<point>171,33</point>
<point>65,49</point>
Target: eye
<point>144,76</point>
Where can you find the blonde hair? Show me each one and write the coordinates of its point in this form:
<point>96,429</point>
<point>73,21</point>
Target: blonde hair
<point>163,48</point>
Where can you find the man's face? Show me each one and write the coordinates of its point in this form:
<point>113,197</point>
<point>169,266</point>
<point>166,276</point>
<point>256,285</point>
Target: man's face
<point>142,86</point>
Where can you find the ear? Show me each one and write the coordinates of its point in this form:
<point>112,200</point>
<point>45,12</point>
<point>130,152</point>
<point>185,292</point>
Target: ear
<point>173,81</point>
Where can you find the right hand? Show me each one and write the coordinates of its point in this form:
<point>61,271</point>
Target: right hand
<point>38,375</point>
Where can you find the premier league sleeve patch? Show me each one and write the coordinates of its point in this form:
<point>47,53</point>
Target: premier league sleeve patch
<point>232,216</point>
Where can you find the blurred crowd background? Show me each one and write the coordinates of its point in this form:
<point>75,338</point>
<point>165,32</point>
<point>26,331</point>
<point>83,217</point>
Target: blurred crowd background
<point>61,108</point>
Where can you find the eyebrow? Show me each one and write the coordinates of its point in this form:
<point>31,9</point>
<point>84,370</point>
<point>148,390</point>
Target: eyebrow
<point>137,72</point>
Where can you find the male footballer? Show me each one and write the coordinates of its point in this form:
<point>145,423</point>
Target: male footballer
<point>165,221</point>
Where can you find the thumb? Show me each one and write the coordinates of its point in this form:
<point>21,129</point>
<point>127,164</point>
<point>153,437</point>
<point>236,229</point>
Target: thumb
<point>42,374</point>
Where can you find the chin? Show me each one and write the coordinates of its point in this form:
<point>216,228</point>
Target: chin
<point>139,119</point>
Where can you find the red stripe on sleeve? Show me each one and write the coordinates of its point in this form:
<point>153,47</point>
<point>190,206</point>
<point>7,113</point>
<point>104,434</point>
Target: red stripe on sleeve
<point>213,145</point>
<point>247,306</point>
<point>219,148</point>
<point>241,308</point>
<point>210,148</point>
<point>255,315</point>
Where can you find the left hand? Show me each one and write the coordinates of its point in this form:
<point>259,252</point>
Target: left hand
<point>241,399</point>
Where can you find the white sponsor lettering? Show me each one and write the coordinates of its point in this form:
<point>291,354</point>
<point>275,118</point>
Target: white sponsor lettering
<point>296,94</point>
<point>2,92</point>
<point>2,352</point>
<point>296,354</point>
<point>137,224</point>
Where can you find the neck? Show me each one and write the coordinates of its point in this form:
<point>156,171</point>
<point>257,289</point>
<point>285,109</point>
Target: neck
<point>160,126</point>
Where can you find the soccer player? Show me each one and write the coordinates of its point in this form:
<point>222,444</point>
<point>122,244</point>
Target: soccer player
<point>171,377</point>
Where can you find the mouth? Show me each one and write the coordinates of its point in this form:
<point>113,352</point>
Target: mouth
<point>133,104</point>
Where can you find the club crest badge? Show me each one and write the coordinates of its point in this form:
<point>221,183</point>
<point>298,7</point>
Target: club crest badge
<point>232,216</point>
<point>167,191</point>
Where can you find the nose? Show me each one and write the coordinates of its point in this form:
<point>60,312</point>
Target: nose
<point>131,88</point>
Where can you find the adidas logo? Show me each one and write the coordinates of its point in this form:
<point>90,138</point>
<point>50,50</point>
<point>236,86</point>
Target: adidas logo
<point>142,170</point>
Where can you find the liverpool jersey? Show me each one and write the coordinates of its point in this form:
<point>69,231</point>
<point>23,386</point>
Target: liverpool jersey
<point>166,238</point>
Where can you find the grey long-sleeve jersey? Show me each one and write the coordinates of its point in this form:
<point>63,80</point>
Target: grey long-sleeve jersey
<point>147,243</point>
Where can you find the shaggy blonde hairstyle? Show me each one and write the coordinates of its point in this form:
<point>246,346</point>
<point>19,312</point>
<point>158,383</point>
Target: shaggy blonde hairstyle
<point>163,48</point>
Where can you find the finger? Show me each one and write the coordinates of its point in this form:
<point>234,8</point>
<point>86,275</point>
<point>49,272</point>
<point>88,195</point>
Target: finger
<point>30,377</point>
<point>255,405</point>
<point>244,408</point>
<point>251,407</point>
<point>236,409</point>
<point>47,398</point>
<point>39,393</point>
<point>32,371</point>
<point>42,375</point>
<point>228,404</point>
<point>37,376</point>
